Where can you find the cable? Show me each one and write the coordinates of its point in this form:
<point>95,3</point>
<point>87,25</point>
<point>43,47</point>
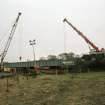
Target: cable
<point>64,33</point>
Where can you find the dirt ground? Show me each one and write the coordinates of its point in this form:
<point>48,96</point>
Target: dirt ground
<point>83,89</point>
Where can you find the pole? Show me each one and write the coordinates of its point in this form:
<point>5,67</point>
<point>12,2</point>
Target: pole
<point>32,43</point>
<point>34,56</point>
<point>7,83</point>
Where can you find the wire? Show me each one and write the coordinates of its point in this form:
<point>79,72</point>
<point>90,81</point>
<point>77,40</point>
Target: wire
<point>4,36</point>
<point>64,33</point>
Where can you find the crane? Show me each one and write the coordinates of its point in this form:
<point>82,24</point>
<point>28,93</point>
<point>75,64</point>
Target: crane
<point>95,48</point>
<point>9,41</point>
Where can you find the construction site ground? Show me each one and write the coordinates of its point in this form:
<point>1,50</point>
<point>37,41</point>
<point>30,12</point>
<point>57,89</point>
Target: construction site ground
<point>65,89</point>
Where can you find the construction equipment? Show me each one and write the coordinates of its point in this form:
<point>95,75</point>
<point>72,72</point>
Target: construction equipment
<point>95,60</point>
<point>95,49</point>
<point>8,42</point>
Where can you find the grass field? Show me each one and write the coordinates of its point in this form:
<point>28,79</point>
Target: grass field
<point>83,89</point>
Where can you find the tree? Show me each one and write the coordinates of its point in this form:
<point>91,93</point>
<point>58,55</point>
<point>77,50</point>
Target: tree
<point>66,56</point>
<point>51,57</point>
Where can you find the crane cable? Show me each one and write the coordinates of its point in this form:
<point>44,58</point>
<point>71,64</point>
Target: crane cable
<point>4,36</point>
<point>19,43</point>
<point>65,34</point>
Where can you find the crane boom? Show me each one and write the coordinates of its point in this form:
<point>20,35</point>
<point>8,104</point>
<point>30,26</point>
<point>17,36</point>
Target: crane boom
<point>9,39</point>
<point>83,36</point>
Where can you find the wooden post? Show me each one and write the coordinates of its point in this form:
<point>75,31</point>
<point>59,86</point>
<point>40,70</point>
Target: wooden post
<point>80,70</point>
<point>7,85</point>
<point>88,70</point>
<point>27,76</point>
<point>56,72</point>
<point>17,77</point>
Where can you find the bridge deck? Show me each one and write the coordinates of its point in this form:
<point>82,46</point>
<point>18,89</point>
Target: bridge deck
<point>40,63</point>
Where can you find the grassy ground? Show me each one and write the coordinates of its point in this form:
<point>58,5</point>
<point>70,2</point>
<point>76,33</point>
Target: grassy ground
<point>83,89</point>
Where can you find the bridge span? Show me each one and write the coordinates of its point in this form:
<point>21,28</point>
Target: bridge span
<point>29,64</point>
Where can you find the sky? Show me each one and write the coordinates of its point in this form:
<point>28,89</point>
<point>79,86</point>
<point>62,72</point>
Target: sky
<point>42,20</point>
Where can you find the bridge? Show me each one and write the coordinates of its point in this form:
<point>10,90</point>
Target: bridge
<point>39,63</point>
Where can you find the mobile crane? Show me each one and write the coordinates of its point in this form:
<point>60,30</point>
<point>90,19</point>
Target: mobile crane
<point>95,49</point>
<point>3,54</point>
<point>96,57</point>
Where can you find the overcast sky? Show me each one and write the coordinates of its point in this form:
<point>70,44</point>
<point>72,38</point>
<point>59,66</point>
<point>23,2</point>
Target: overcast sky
<point>42,20</point>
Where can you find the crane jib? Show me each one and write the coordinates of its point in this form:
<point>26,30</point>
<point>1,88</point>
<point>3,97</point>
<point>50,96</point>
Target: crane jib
<point>9,40</point>
<point>83,36</point>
